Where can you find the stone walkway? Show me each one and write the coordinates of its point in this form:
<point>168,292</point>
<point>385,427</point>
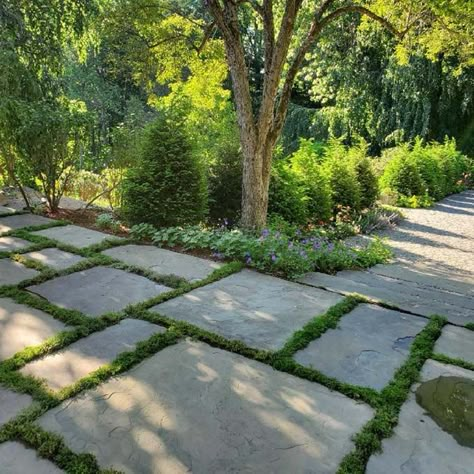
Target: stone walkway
<point>110,350</point>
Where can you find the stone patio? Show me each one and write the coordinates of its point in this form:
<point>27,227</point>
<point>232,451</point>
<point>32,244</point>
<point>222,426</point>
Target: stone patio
<point>67,366</point>
<point>164,262</point>
<point>195,408</point>
<point>17,459</point>
<point>419,445</point>
<point>22,326</point>
<point>457,343</point>
<point>260,310</point>
<point>22,220</point>
<point>367,347</point>
<point>54,258</point>
<point>11,404</point>
<point>74,235</point>
<point>12,273</point>
<point>409,296</point>
<point>9,244</point>
<point>98,290</point>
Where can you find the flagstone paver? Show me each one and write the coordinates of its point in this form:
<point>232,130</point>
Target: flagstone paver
<point>88,354</point>
<point>8,244</point>
<point>419,445</point>
<point>55,258</point>
<point>23,220</point>
<point>17,459</point>
<point>459,309</point>
<point>11,403</point>
<point>12,273</point>
<point>163,261</point>
<point>366,348</point>
<point>74,235</point>
<point>22,326</point>
<point>260,310</point>
<point>457,343</point>
<point>6,210</point>
<point>195,408</point>
<point>98,290</point>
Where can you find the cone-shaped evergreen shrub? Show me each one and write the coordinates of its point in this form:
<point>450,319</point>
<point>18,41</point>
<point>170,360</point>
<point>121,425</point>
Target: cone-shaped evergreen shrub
<point>168,185</point>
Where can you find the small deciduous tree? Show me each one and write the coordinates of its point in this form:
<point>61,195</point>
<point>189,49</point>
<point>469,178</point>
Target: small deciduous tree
<point>290,28</point>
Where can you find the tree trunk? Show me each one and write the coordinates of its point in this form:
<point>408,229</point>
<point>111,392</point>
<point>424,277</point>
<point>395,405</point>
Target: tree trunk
<point>255,185</point>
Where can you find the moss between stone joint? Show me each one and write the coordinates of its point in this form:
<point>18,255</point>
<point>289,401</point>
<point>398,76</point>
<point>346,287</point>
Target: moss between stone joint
<point>318,326</point>
<point>52,446</point>
<point>453,361</point>
<point>469,326</point>
<point>369,440</point>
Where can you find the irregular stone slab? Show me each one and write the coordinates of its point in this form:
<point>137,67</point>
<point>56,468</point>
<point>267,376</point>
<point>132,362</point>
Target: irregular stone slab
<point>457,343</point>
<point>195,408</point>
<point>98,290</point>
<point>424,276</point>
<point>6,210</point>
<point>67,366</point>
<point>11,273</point>
<point>164,262</point>
<point>260,310</point>
<point>8,244</point>
<point>17,459</point>
<point>55,258</point>
<point>11,403</point>
<point>419,445</point>
<point>22,326</point>
<point>366,348</point>
<point>74,235</point>
<point>22,220</point>
<point>405,295</point>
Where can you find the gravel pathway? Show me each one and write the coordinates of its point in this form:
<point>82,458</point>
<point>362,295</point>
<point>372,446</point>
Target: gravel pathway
<point>438,241</point>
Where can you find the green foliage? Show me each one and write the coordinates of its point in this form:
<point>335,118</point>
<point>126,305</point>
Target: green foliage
<point>366,177</point>
<point>167,187</point>
<point>107,221</point>
<point>345,188</point>
<point>423,174</point>
<point>142,231</point>
<point>275,252</point>
<point>225,182</point>
<point>287,196</point>
<point>306,164</point>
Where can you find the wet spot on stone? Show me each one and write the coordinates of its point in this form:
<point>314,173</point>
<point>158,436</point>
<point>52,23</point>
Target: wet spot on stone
<point>403,342</point>
<point>449,401</point>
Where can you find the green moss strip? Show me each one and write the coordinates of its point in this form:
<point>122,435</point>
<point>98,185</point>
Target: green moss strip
<point>369,440</point>
<point>452,361</point>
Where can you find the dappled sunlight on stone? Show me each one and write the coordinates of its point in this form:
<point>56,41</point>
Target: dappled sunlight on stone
<point>194,407</point>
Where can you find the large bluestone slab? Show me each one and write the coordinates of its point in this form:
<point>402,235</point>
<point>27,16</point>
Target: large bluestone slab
<point>164,262</point>
<point>22,220</point>
<point>11,273</point>
<point>9,244</point>
<point>260,310</point>
<point>11,404</point>
<point>425,276</point>
<point>98,290</point>
<point>409,296</point>
<point>17,459</point>
<point>67,366</point>
<point>366,348</point>
<point>55,258</point>
<point>457,343</point>
<point>22,326</point>
<point>419,445</point>
<point>194,408</point>
<point>6,210</point>
<point>76,236</point>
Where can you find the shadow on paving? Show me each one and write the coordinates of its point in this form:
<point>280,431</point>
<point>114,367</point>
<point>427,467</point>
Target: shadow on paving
<point>195,408</point>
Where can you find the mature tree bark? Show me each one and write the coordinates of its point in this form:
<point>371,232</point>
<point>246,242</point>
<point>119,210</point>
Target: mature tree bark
<point>260,131</point>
